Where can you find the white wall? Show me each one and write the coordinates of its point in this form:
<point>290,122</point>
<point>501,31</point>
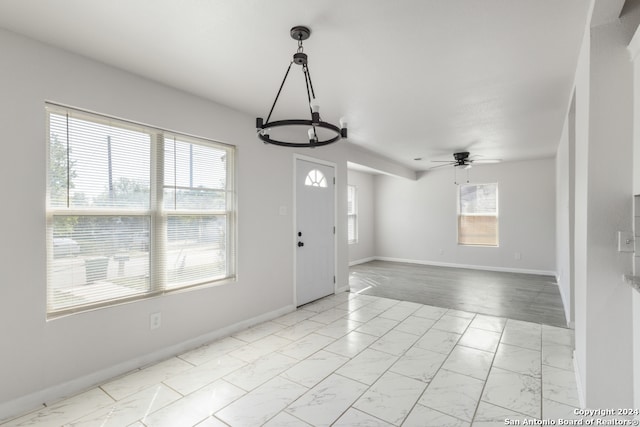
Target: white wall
<point>564,215</point>
<point>604,179</point>
<point>582,99</point>
<point>634,48</point>
<point>364,249</point>
<point>41,359</point>
<point>417,220</point>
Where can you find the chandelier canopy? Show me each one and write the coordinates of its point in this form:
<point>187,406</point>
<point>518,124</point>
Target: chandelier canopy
<point>331,133</point>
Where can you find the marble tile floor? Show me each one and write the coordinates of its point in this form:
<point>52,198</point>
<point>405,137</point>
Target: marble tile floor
<point>345,360</point>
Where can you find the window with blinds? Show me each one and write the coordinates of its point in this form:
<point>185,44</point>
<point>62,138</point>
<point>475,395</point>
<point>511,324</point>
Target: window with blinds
<point>478,214</point>
<point>133,211</point>
<point>352,214</point>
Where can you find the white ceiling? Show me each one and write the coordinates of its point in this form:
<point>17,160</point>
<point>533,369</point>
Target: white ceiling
<point>414,78</point>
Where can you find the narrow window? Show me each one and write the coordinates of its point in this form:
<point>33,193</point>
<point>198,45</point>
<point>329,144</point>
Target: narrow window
<point>478,214</point>
<point>352,214</point>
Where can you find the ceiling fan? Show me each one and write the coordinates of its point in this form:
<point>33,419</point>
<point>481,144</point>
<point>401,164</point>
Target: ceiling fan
<point>464,160</point>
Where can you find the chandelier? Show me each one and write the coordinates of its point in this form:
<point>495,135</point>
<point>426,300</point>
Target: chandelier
<point>330,133</point>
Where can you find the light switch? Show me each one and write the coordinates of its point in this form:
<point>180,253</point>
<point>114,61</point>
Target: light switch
<point>626,241</point>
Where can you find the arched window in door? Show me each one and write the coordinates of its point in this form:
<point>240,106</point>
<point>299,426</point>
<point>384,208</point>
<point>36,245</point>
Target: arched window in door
<point>315,178</point>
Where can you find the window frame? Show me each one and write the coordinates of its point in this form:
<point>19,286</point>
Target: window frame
<point>496,215</point>
<point>315,178</point>
<point>156,212</point>
<point>352,189</point>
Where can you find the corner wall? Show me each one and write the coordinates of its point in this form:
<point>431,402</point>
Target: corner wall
<point>565,211</point>
<point>634,49</point>
<point>604,178</point>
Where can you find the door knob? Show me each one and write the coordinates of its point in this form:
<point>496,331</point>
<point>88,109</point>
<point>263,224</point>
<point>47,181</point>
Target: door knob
<point>300,244</point>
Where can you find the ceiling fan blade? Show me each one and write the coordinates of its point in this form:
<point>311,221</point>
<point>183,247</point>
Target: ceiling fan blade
<point>439,166</point>
<point>486,161</point>
<point>464,160</point>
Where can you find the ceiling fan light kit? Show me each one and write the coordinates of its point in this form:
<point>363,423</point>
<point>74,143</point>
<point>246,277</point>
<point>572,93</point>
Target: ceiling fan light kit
<point>263,127</point>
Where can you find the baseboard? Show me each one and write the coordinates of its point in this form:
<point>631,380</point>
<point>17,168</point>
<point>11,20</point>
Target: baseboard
<point>361,261</point>
<point>31,402</point>
<point>576,372</point>
<point>469,266</point>
<point>565,303</point>
<point>342,289</point>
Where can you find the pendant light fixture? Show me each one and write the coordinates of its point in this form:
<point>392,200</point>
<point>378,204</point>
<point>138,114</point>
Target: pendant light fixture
<point>330,133</point>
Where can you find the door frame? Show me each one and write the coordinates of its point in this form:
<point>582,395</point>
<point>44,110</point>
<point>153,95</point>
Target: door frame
<point>294,232</point>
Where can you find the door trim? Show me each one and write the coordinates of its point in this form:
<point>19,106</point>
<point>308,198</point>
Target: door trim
<point>294,237</point>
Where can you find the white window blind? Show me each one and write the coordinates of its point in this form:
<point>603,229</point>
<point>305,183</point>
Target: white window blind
<point>478,214</point>
<point>352,214</point>
<point>133,211</point>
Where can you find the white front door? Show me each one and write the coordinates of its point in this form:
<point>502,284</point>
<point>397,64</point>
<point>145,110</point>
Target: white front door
<point>315,230</point>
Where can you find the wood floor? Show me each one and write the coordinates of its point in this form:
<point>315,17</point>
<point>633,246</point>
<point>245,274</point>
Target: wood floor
<point>528,297</point>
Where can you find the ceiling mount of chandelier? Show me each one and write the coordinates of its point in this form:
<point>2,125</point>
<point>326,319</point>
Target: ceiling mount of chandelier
<point>329,133</point>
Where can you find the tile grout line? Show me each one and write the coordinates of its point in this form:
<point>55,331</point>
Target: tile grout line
<point>280,376</point>
<point>385,371</point>
<point>349,358</point>
<point>327,376</point>
<point>437,370</point>
<point>493,359</point>
<point>368,386</point>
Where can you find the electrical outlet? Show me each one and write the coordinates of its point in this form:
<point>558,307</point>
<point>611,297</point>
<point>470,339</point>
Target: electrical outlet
<point>155,319</point>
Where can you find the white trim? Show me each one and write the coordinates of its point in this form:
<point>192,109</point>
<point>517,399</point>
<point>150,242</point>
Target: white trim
<point>25,404</point>
<point>361,261</point>
<point>578,381</point>
<point>296,157</point>
<point>294,231</point>
<point>565,304</point>
<point>469,266</point>
<point>335,225</point>
<point>342,289</point>
<point>634,45</point>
